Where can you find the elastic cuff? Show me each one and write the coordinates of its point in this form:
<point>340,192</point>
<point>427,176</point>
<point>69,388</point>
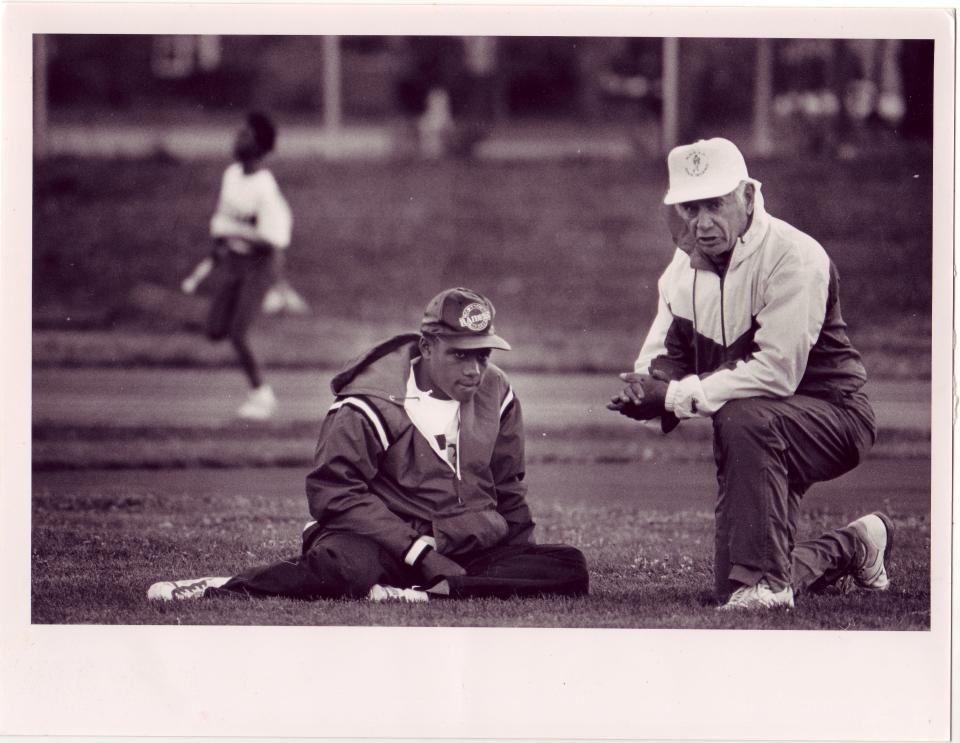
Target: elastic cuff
<point>418,550</point>
<point>670,400</point>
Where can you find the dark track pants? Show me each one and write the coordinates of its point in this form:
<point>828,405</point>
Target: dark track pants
<point>347,566</point>
<point>768,453</point>
<point>241,282</point>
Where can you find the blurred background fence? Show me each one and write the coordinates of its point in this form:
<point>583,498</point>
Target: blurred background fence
<point>820,95</point>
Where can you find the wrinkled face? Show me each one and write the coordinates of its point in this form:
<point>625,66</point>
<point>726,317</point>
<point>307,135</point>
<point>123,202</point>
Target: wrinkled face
<point>452,373</point>
<point>716,223</point>
<point>245,147</point>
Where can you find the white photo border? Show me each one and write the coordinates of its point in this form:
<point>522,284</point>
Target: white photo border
<point>336,682</point>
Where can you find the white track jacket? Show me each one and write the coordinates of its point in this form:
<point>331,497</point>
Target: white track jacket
<point>769,327</point>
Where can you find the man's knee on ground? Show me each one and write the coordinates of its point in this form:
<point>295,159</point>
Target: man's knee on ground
<point>568,555</point>
<point>570,563</point>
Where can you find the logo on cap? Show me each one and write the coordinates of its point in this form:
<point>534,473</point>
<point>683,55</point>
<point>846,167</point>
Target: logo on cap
<point>475,316</point>
<point>696,165</point>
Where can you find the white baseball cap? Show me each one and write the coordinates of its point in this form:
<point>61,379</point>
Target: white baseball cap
<point>704,170</point>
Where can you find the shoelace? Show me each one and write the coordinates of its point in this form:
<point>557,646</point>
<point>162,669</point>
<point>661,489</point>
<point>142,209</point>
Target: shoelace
<point>761,592</point>
<point>189,590</point>
<point>740,596</point>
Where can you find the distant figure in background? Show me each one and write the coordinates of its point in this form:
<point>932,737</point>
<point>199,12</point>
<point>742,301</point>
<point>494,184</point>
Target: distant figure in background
<point>480,92</point>
<point>749,334</point>
<point>435,126</point>
<point>251,229</point>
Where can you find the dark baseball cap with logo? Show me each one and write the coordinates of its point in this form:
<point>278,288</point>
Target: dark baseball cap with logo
<point>463,318</point>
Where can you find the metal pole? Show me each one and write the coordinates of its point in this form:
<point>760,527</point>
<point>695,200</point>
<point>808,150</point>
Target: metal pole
<point>763,98</point>
<point>669,85</point>
<point>39,96</point>
<point>332,103</point>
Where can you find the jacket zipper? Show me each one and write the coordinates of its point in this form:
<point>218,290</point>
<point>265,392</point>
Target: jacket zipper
<point>723,324</point>
<point>457,479</point>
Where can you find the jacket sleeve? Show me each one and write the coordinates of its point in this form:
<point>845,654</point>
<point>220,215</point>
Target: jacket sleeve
<point>663,349</point>
<point>793,306</point>
<point>347,458</point>
<point>507,466</point>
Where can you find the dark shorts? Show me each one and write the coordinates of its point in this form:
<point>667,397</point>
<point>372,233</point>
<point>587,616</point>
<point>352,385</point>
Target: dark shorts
<point>240,282</point>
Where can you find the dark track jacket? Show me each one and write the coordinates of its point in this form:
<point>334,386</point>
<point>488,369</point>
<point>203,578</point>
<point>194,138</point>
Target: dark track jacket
<point>769,327</point>
<point>377,476</point>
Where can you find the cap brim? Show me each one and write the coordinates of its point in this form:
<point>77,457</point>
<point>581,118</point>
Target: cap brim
<point>705,191</point>
<point>470,342</point>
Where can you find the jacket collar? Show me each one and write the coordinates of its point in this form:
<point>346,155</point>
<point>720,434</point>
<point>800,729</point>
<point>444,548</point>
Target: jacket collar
<point>382,371</point>
<point>750,240</point>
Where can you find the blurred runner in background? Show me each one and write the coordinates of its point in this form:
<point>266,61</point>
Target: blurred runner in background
<point>251,229</point>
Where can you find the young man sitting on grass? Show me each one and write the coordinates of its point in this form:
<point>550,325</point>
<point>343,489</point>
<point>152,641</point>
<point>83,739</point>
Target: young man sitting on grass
<point>418,489</point>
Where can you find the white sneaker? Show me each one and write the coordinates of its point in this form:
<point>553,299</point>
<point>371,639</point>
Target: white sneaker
<point>178,590</point>
<point>392,593</point>
<point>875,532</point>
<point>294,303</point>
<point>284,298</point>
<point>260,405</point>
<point>760,596</point>
<point>273,301</point>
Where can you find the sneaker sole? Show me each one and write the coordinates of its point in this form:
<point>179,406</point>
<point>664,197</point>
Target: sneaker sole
<point>887,550</point>
<point>775,607</point>
<point>888,525</point>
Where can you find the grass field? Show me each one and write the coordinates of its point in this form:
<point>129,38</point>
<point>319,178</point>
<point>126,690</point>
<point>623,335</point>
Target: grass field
<point>101,537</point>
<point>570,251</point>
<point>141,476</point>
